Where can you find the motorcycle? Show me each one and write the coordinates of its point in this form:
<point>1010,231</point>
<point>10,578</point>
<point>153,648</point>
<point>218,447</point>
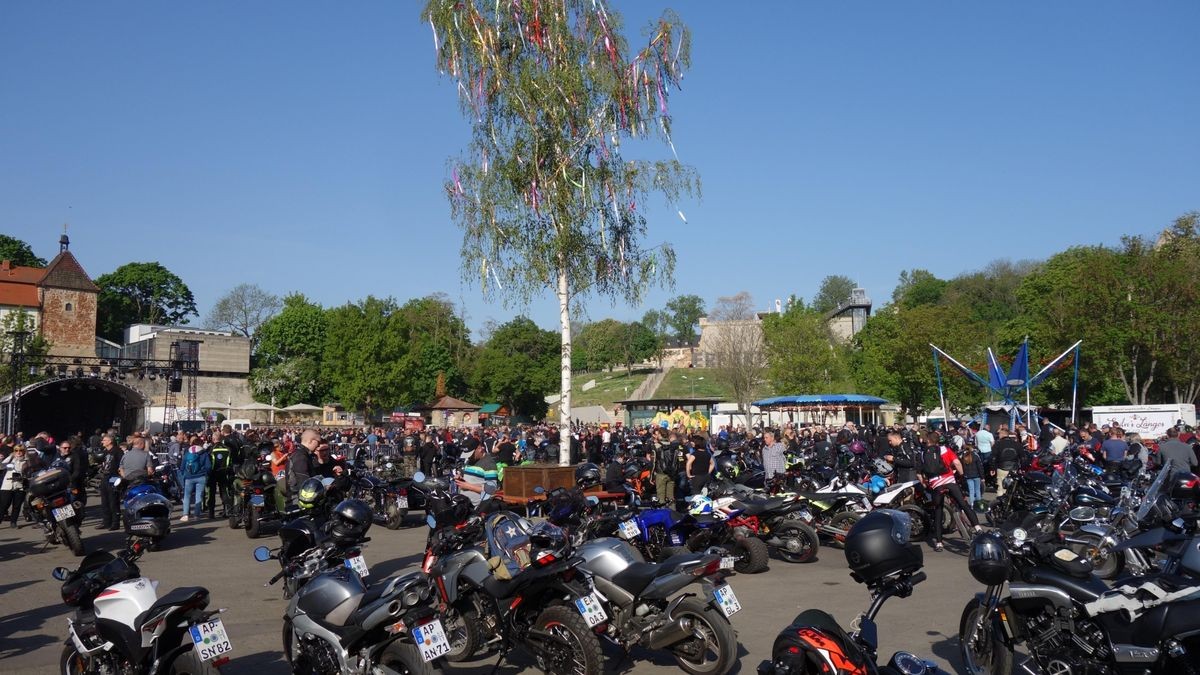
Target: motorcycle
<point>773,520</point>
<point>815,643</point>
<point>336,624</point>
<point>521,588</point>
<point>57,507</point>
<point>695,630</point>
<point>1069,620</point>
<point>254,503</point>
<point>145,511</point>
<point>122,626</point>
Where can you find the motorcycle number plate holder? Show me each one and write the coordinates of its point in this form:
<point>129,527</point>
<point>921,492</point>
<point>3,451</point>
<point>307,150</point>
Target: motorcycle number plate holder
<point>359,564</point>
<point>727,562</point>
<point>402,502</point>
<point>592,611</point>
<point>726,600</point>
<point>431,640</point>
<point>210,639</point>
<point>629,529</point>
<point>258,500</point>
<point>64,512</point>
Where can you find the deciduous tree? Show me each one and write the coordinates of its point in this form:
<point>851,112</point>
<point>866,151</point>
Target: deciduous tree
<point>18,252</point>
<point>243,309</point>
<point>141,293</point>
<point>834,291</point>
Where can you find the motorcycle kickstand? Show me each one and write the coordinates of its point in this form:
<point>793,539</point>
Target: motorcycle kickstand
<point>499,660</point>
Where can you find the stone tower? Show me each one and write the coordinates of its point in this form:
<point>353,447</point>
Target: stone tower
<point>68,300</point>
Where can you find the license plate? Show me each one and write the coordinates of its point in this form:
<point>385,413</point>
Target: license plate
<point>64,512</point>
<point>629,529</point>
<point>358,564</point>
<point>728,562</point>
<point>402,502</point>
<point>431,640</point>
<point>258,500</point>
<point>591,609</point>
<point>211,640</point>
<point>727,601</point>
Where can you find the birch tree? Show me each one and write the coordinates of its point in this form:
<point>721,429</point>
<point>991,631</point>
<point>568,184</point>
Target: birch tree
<point>544,195</point>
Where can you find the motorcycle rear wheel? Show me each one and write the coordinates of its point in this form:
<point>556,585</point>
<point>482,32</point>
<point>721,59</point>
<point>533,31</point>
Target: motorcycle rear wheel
<point>808,544</point>
<point>569,632</point>
<point>254,522</point>
<point>395,518</point>
<point>986,654</point>
<point>405,659</point>
<point>72,538</point>
<point>715,652</point>
<point>919,522</point>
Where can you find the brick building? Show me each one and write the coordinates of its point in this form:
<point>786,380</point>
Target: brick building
<point>60,299</point>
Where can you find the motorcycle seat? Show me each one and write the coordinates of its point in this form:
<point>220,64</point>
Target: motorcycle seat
<point>1084,589</point>
<point>829,627</point>
<point>638,576</point>
<point>756,507</point>
<point>178,596</point>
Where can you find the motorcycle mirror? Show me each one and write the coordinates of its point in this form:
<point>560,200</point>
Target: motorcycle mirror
<point>431,521</point>
<point>60,573</point>
<point>418,477</point>
<point>539,490</point>
<point>326,481</point>
<point>262,554</point>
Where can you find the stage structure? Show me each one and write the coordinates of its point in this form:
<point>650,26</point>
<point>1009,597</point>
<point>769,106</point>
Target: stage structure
<point>1017,380</point>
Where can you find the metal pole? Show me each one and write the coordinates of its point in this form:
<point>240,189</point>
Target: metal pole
<point>1075,384</point>
<point>937,369</point>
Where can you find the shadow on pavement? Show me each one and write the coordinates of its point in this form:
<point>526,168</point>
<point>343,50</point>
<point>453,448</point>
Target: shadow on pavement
<point>386,568</point>
<point>21,622</point>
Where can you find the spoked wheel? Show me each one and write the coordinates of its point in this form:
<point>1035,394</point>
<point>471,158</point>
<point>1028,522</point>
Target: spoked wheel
<point>462,631</point>
<point>919,528</point>
<point>572,648</point>
<point>979,645</point>
<point>712,649</point>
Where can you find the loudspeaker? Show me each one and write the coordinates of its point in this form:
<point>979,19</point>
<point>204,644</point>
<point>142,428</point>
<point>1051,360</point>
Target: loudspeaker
<point>176,384</point>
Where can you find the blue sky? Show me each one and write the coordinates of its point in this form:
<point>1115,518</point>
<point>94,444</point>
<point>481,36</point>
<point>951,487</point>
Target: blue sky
<point>302,145</point>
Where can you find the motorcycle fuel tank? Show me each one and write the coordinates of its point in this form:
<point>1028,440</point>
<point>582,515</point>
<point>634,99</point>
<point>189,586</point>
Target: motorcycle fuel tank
<point>606,556</point>
<point>332,597</point>
<point>123,602</point>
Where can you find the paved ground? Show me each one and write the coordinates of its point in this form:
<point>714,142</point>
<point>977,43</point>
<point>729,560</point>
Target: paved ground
<point>208,553</point>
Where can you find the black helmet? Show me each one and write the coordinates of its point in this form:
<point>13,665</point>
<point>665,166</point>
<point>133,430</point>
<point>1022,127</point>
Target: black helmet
<point>726,467</point>
<point>989,562</point>
<point>587,475</point>
<point>350,521</point>
<point>878,547</point>
<point>312,493</point>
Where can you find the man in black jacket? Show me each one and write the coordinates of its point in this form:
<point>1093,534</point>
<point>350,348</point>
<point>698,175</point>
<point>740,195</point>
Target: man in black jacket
<point>77,464</point>
<point>110,505</point>
<point>299,462</point>
<point>902,457</point>
<point>1007,455</point>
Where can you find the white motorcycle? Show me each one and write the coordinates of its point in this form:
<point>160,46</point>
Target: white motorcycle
<point>122,626</point>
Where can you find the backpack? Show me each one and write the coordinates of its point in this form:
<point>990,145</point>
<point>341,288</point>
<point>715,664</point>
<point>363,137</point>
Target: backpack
<point>191,464</point>
<point>931,462</point>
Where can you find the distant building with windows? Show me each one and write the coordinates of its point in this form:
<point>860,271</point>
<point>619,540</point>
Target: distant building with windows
<point>59,298</point>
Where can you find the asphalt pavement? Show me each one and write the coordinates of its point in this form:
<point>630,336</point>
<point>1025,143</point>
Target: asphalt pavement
<point>208,553</point>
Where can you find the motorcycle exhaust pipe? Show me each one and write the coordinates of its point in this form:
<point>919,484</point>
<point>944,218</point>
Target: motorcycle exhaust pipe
<point>673,633</point>
<point>382,614</point>
<point>775,541</point>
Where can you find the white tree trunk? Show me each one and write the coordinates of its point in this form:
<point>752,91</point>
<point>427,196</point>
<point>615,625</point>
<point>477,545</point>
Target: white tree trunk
<point>564,403</point>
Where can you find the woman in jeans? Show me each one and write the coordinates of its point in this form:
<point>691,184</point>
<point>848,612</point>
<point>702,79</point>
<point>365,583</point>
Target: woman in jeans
<point>196,464</point>
<point>973,473</point>
<point>12,489</point>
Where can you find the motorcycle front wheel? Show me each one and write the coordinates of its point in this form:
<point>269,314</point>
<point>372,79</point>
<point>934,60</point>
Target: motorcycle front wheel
<point>463,630</point>
<point>571,648</point>
<point>800,542</point>
<point>713,648</point>
<point>981,649</point>
<point>254,522</point>
<point>405,659</point>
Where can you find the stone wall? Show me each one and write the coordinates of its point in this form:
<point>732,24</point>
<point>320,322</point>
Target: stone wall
<point>68,321</point>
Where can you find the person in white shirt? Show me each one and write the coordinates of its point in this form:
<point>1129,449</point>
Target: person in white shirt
<point>1059,443</point>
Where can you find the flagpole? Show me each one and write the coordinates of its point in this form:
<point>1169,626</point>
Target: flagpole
<point>1075,384</point>
<point>937,369</point>
<point>1028,404</point>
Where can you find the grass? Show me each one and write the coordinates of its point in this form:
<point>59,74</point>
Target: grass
<point>687,383</point>
<point>610,387</point>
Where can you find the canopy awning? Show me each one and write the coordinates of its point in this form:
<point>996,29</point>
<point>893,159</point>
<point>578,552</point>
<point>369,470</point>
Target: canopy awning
<point>303,407</point>
<point>824,400</point>
<point>256,406</point>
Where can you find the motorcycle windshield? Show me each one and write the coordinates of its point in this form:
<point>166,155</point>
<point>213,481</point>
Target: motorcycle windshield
<point>1153,491</point>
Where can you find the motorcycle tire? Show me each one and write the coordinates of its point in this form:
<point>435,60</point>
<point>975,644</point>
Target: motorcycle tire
<point>668,551</point>
<point>72,662</point>
<point>718,652</point>
<point>919,522</point>
<point>844,521</point>
<point>72,538</point>
<point>235,517</point>
<point>395,518</point>
<point>405,658</point>
<point>464,640</point>
<point>287,639</point>
<point>752,555</point>
<point>808,542</point>
<point>254,522</point>
<point>568,625</point>
<point>995,659</point>
<point>1112,565</point>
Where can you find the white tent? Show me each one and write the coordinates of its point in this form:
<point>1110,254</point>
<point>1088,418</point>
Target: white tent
<point>303,407</point>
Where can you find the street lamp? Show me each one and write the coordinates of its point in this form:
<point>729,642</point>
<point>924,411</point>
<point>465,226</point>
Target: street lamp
<point>17,364</point>
<point>693,383</point>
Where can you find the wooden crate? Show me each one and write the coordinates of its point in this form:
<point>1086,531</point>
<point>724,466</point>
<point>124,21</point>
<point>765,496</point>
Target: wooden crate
<point>519,481</point>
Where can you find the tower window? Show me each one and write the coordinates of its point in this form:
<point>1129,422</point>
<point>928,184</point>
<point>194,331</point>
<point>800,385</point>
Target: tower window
<point>69,307</point>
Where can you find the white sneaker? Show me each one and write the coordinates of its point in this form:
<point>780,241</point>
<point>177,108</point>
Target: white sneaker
<point>183,519</point>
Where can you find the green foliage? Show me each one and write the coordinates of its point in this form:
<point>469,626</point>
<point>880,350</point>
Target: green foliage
<point>609,343</point>
<point>290,349</point>
<point>141,293</point>
<point>802,355</point>
<point>18,252</point>
<point>684,315</point>
<point>918,287</point>
<point>33,346</point>
<point>518,367</point>
<point>364,354</point>
<point>436,341</point>
<point>835,289</point>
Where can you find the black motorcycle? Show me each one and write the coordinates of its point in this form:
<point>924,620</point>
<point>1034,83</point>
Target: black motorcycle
<point>57,507</point>
<point>1067,619</point>
<point>254,504</point>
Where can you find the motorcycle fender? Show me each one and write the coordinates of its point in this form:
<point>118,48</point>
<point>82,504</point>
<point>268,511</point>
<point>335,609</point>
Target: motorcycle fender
<point>665,586</point>
<point>1094,529</point>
